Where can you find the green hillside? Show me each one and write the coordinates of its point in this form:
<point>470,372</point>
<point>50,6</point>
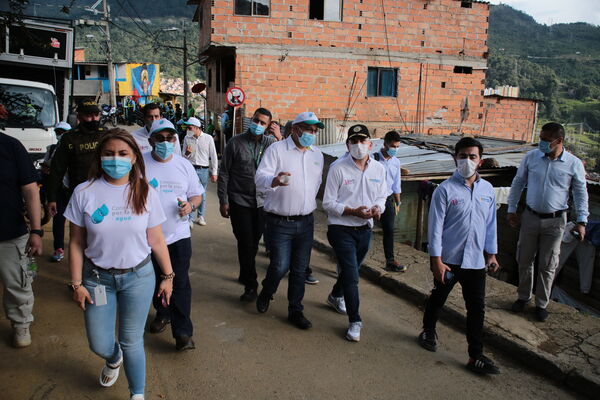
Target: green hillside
<point>558,64</point>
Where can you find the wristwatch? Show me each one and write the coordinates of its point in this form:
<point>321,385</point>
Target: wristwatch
<point>38,232</point>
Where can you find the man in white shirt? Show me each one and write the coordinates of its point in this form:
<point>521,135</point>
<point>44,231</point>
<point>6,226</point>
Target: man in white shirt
<point>199,149</point>
<point>151,113</point>
<point>355,193</point>
<point>387,157</point>
<point>180,194</point>
<point>290,175</point>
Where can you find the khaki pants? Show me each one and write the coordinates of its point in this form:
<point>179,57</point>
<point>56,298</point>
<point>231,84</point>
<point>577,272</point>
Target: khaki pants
<point>542,237</point>
<point>18,293</point>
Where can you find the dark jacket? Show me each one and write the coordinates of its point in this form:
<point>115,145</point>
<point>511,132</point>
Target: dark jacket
<point>73,154</point>
<point>238,167</point>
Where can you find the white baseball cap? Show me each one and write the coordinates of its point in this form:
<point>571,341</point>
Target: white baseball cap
<point>161,125</point>
<point>309,118</point>
<point>193,121</point>
<point>63,126</point>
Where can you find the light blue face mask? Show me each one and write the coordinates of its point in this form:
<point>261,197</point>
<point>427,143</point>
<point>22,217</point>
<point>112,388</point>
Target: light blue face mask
<point>307,139</point>
<point>164,149</point>
<point>116,167</point>
<point>544,146</point>
<point>256,129</point>
<point>392,151</point>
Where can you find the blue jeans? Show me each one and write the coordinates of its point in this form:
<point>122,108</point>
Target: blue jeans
<point>291,244</point>
<point>351,245</point>
<point>128,297</point>
<point>203,177</point>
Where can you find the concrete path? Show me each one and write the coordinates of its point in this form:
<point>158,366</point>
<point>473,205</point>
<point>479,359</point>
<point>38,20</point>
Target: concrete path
<point>244,355</point>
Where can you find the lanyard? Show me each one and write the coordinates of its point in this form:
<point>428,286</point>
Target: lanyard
<point>256,156</point>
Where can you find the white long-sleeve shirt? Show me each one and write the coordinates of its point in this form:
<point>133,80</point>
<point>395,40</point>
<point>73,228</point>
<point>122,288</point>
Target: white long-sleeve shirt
<point>349,186</point>
<point>305,168</point>
<point>204,152</point>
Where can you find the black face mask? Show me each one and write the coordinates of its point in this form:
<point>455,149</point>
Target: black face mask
<point>90,125</point>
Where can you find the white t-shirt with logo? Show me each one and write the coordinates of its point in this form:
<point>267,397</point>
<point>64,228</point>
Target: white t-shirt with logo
<point>116,237</point>
<point>173,179</point>
<point>141,137</point>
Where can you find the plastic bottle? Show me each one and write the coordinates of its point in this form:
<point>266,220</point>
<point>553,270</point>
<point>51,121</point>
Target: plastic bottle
<point>184,218</point>
<point>32,266</point>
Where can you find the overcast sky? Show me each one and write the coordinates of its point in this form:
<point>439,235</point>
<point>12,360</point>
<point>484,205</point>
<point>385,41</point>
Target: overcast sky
<point>557,11</point>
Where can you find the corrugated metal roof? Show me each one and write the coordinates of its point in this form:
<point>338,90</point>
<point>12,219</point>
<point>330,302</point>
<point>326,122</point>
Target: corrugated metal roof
<point>418,160</point>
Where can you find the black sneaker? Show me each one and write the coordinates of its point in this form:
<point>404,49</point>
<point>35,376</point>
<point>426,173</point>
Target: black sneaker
<point>249,295</point>
<point>158,325</point>
<point>483,365</point>
<point>518,306</point>
<point>311,280</point>
<point>541,314</point>
<point>183,343</point>
<point>262,302</point>
<point>427,340</point>
<point>395,266</point>
<point>298,319</point>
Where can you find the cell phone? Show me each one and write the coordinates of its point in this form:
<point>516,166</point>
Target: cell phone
<point>448,276</point>
<point>576,234</point>
<point>164,301</point>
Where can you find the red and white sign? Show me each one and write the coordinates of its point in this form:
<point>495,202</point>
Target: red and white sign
<point>235,97</point>
<point>55,43</point>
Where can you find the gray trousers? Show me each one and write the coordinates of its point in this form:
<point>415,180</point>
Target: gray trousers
<point>586,256</point>
<point>542,237</point>
<point>17,280</point>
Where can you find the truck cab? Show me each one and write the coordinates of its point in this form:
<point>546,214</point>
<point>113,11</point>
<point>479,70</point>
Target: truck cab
<point>29,112</point>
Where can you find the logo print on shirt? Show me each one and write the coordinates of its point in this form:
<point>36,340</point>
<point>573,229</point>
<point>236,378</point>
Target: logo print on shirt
<point>375,180</point>
<point>153,183</point>
<point>99,214</point>
<point>487,199</point>
<point>456,202</point>
<point>349,181</point>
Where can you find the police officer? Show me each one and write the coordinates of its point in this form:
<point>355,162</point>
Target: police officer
<point>74,152</point>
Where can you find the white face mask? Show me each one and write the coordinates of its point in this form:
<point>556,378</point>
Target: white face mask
<point>359,151</point>
<point>466,167</point>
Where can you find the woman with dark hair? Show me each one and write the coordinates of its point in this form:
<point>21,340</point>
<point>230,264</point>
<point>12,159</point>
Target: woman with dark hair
<point>115,221</point>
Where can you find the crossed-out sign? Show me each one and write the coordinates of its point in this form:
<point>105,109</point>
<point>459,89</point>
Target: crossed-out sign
<point>235,97</point>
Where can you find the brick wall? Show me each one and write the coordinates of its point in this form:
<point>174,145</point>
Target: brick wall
<point>443,26</point>
<point>509,117</point>
<point>289,64</point>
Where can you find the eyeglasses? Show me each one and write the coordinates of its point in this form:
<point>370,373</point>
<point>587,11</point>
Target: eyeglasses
<point>161,138</point>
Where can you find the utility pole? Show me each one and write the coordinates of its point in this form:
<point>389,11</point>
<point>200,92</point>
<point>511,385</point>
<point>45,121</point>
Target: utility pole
<point>109,59</point>
<point>185,65</point>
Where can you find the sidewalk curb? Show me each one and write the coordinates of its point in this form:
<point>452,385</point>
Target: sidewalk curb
<point>541,362</point>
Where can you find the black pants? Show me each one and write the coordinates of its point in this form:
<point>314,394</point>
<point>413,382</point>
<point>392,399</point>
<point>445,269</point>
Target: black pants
<point>248,225</point>
<point>180,306</point>
<point>387,224</point>
<point>58,221</point>
<point>472,282</point>
<point>308,271</point>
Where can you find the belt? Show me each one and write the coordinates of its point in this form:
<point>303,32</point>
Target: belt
<point>120,271</point>
<point>352,228</point>
<point>289,217</point>
<point>200,167</point>
<point>555,214</point>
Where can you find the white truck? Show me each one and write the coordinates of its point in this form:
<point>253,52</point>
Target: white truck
<point>36,59</point>
<point>29,112</point>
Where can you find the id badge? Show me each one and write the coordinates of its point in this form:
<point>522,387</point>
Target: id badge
<point>100,295</point>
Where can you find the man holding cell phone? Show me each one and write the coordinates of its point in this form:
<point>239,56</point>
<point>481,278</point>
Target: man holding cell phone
<point>462,246</point>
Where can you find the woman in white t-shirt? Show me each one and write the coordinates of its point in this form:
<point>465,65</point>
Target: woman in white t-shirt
<point>116,222</point>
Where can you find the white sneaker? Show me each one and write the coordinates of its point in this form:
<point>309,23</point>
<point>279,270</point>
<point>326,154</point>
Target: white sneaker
<point>337,303</point>
<point>137,397</point>
<point>22,337</point>
<point>353,333</point>
<point>201,221</point>
<point>191,224</point>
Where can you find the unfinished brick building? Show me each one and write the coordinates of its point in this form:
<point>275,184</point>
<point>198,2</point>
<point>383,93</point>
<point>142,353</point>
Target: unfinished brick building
<point>413,65</point>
